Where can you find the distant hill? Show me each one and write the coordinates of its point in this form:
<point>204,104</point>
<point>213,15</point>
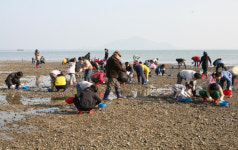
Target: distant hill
<point>137,43</point>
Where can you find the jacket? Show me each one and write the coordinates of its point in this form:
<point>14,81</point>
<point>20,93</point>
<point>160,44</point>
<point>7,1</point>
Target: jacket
<point>60,80</point>
<point>226,75</point>
<point>71,68</point>
<point>113,67</point>
<point>88,65</point>
<point>12,79</point>
<point>146,71</point>
<point>86,100</point>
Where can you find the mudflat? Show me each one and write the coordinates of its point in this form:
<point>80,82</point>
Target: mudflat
<point>148,118</point>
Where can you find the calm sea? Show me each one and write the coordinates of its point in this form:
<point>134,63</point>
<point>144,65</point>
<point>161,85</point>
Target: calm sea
<point>230,57</point>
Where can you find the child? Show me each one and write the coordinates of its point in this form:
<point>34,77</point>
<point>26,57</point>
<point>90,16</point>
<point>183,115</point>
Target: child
<point>214,91</point>
<point>53,75</point>
<point>88,68</point>
<point>130,72</point>
<point>42,60</point>
<point>152,65</point>
<point>98,78</point>
<point>60,82</point>
<point>222,77</point>
<point>13,79</point>
<point>160,69</point>
<point>189,75</point>
<point>211,78</point>
<point>181,90</point>
<point>71,71</point>
<point>86,99</point>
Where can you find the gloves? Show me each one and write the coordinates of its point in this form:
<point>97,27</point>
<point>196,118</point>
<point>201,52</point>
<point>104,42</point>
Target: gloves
<point>221,100</point>
<point>210,98</point>
<point>230,88</point>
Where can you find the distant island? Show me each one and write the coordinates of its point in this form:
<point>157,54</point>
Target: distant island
<point>20,50</point>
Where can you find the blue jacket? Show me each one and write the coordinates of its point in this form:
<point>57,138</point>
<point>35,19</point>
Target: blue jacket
<point>159,69</point>
<point>226,75</point>
<point>218,62</point>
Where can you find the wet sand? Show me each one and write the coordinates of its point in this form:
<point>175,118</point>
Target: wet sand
<point>149,118</point>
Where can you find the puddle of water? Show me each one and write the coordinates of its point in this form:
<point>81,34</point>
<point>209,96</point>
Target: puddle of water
<point>3,100</point>
<point>58,100</point>
<point>151,92</point>
<point>35,100</point>
<point>36,81</point>
<point>6,72</point>
<point>18,99</point>
<point>10,117</point>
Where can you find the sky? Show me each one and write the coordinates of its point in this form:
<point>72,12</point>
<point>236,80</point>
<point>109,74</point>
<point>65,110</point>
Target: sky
<point>94,24</point>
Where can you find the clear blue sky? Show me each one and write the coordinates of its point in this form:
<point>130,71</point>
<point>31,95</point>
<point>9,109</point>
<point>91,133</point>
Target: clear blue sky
<point>78,24</point>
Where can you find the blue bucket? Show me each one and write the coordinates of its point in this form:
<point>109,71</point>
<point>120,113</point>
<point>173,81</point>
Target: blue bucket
<point>101,105</point>
<point>170,75</point>
<point>173,67</point>
<point>26,87</point>
<point>186,99</point>
<point>50,90</point>
<point>223,103</point>
<point>150,75</point>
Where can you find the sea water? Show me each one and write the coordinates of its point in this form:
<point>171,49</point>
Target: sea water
<point>229,57</point>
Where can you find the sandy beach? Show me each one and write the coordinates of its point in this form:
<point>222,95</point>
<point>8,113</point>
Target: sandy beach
<point>149,118</point>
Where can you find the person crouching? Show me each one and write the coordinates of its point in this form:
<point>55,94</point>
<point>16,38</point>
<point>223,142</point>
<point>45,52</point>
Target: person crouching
<point>61,83</point>
<point>13,79</point>
<point>214,91</point>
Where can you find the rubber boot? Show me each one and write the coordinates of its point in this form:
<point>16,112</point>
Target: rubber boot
<point>216,100</point>
<point>230,94</point>
<point>91,111</point>
<point>204,99</point>
<point>119,96</point>
<point>202,76</point>
<point>79,111</point>
<point>105,97</point>
<point>206,75</point>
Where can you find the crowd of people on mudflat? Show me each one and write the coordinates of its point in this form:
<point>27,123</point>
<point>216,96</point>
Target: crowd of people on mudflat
<point>93,72</point>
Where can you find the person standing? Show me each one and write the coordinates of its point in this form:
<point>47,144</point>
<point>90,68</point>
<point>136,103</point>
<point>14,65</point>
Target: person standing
<point>71,71</point>
<point>204,61</point>
<point>112,69</point>
<point>87,67</point>
<point>37,56</point>
<point>106,54</point>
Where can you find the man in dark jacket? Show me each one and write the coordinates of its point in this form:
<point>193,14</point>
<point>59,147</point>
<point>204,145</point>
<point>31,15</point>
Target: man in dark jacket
<point>112,68</point>
<point>13,79</point>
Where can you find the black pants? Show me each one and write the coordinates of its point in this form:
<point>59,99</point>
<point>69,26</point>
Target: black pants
<point>61,87</point>
<point>221,65</point>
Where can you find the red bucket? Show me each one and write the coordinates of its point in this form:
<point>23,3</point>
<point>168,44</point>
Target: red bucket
<point>227,92</point>
<point>69,100</point>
